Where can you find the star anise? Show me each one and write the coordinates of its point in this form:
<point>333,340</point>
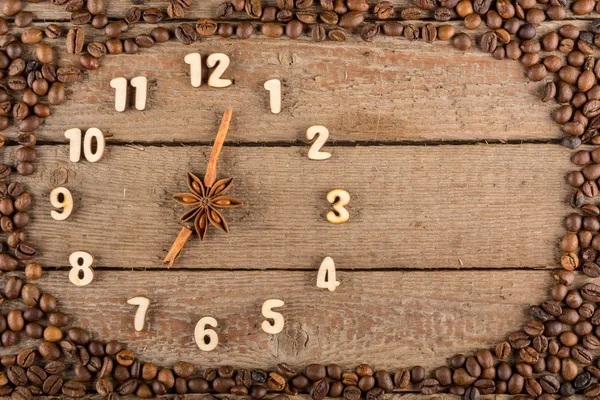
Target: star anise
<point>205,202</point>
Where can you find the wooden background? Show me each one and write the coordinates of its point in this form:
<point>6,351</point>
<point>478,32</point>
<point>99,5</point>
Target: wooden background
<point>451,159</point>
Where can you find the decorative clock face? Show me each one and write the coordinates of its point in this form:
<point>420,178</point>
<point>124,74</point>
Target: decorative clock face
<point>281,206</point>
<point>412,207</point>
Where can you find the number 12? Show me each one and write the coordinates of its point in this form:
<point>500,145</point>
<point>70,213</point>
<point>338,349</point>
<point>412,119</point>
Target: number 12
<point>218,60</point>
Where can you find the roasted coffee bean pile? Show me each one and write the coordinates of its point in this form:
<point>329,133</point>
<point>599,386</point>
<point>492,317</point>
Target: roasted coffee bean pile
<point>555,354</point>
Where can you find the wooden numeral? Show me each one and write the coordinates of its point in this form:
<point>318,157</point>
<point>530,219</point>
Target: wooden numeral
<point>194,60</point>
<point>120,86</point>
<point>206,339</point>
<point>83,268</point>
<point>338,199</point>
<point>215,80</point>
<point>274,88</point>
<point>140,83</point>
<point>140,315</point>
<point>326,276</point>
<point>315,153</point>
<point>278,320</point>
<point>66,203</point>
<point>90,135</point>
<point>74,136</point>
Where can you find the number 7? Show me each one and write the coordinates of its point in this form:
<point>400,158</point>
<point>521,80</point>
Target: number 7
<point>140,314</point>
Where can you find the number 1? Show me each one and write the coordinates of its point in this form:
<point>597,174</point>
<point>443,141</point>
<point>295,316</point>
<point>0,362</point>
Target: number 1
<point>140,83</point>
<point>195,62</point>
<point>274,88</point>
<point>120,86</point>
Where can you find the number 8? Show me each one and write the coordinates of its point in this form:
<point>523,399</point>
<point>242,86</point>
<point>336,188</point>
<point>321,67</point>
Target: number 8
<point>84,267</point>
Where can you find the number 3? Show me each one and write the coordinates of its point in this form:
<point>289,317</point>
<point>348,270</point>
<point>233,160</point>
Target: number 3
<point>338,199</point>
<point>84,267</point>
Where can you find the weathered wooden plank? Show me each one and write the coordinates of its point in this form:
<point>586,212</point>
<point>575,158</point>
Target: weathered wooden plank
<point>484,206</point>
<point>207,8</point>
<point>390,90</point>
<point>390,319</point>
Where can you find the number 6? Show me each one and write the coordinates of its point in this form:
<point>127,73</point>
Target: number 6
<point>201,333</point>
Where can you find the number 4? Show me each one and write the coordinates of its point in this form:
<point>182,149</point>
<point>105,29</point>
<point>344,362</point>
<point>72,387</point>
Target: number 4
<point>326,275</point>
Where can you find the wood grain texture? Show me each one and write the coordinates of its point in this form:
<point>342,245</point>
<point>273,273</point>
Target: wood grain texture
<point>389,90</point>
<point>391,319</point>
<point>417,207</point>
<point>207,9</point>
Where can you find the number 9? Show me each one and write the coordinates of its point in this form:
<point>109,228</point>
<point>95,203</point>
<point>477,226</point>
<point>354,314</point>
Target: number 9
<point>66,203</point>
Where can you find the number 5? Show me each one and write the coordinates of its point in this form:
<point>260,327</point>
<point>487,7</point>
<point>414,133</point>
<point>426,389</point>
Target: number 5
<point>267,312</point>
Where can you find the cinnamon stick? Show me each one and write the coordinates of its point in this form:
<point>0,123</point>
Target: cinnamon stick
<point>211,170</point>
<point>177,247</point>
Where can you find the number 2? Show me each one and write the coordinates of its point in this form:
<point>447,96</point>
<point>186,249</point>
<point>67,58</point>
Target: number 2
<point>326,275</point>
<point>315,153</point>
<point>88,273</point>
<point>215,80</point>
<point>140,314</point>
<point>66,203</point>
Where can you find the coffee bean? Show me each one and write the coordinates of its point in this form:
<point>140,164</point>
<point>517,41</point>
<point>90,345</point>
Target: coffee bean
<point>127,388</point>
<point>430,386</point>
<point>73,389</point>
<point>352,393</point>
<point>69,74</point>
<point>75,40</point>
<point>244,30</point>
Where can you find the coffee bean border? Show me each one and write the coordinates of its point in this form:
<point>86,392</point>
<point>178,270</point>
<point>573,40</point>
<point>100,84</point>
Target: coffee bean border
<point>553,355</point>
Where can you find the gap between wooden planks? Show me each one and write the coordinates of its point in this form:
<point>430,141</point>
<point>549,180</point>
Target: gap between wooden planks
<point>390,319</point>
<point>412,207</point>
<point>388,91</point>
